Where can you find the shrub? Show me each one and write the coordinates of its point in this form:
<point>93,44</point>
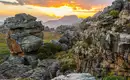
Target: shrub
<point>67,60</point>
<point>128,25</point>
<point>114,13</point>
<point>114,78</point>
<point>48,50</point>
<point>24,79</point>
<point>1,60</point>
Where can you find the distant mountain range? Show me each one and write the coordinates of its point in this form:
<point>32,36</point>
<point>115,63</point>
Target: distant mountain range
<point>66,20</point>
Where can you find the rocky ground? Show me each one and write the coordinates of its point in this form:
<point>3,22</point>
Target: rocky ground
<point>102,47</point>
<point>98,47</point>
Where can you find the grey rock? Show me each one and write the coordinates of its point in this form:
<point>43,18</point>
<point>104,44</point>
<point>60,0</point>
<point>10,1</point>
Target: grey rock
<point>64,47</point>
<point>45,70</point>
<point>64,40</point>
<point>13,70</point>
<point>15,59</point>
<point>31,43</point>
<point>2,77</point>
<point>26,31</point>
<point>63,28</point>
<point>56,42</point>
<point>76,76</point>
<point>117,5</point>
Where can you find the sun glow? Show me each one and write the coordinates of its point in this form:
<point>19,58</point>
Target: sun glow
<point>66,10</point>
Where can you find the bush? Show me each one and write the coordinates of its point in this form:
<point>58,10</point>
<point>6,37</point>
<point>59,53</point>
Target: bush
<point>114,78</point>
<point>114,13</point>
<point>67,60</point>
<point>48,51</point>
<point>24,79</point>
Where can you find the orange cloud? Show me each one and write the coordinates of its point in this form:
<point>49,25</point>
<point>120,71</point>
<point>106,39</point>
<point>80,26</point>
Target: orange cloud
<point>53,8</point>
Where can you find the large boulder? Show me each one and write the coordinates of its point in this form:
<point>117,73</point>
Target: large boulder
<point>25,34</point>
<point>31,43</point>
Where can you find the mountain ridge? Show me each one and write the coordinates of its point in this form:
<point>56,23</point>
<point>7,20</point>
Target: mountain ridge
<point>66,20</point>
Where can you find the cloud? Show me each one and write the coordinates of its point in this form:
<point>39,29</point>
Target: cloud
<point>85,4</point>
<point>9,3</point>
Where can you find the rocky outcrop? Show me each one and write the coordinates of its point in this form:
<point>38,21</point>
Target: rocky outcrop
<point>67,40</point>
<point>25,34</point>
<point>42,70</point>
<point>45,70</point>
<point>103,44</point>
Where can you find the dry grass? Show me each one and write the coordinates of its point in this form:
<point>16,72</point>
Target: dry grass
<point>48,36</point>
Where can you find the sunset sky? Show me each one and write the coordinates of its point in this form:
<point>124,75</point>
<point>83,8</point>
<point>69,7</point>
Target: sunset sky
<point>52,9</point>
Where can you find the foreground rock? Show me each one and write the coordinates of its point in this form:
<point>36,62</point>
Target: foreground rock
<point>24,38</point>
<point>75,76</point>
<point>25,34</point>
<point>43,70</point>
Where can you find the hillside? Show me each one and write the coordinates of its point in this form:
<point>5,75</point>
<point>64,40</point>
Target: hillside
<point>66,20</point>
<point>101,45</point>
<point>97,48</point>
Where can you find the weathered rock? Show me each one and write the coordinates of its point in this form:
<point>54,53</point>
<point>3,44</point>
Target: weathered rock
<point>2,77</point>
<point>31,43</point>
<point>63,28</point>
<point>75,76</point>
<point>45,70</point>
<point>64,47</point>
<point>69,38</point>
<point>24,35</point>
<point>10,70</point>
<point>117,5</point>
<point>103,46</point>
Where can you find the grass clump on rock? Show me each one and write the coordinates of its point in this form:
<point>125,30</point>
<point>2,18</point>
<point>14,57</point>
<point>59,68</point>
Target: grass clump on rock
<point>114,78</point>
<point>24,79</point>
<point>114,13</point>
<point>48,51</point>
<point>67,60</point>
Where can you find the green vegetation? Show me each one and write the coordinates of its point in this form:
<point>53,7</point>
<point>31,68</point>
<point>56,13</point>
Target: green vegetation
<point>83,44</point>
<point>48,36</point>
<point>48,50</point>
<point>114,78</point>
<point>3,48</point>
<point>114,13</point>
<point>67,60</point>
<point>24,79</point>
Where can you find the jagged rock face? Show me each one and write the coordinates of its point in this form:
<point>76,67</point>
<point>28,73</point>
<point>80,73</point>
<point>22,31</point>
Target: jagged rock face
<point>104,43</point>
<point>25,33</point>
<point>43,70</point>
